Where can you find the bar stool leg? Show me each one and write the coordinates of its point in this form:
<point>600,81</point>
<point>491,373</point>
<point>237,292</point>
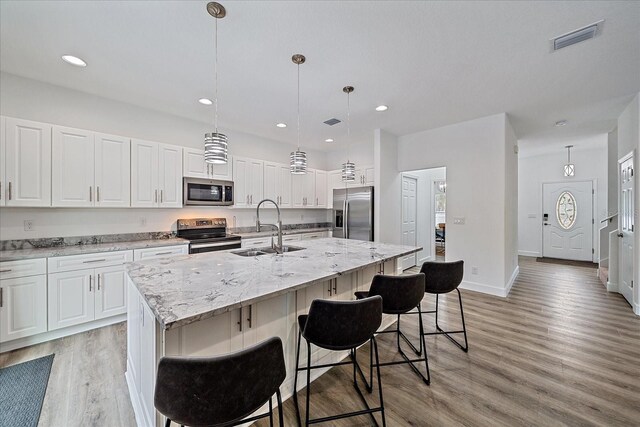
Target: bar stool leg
<point>270,412</point>
<point>280,413</point>
<point>374,344</point>
<point>308,382</point>
<point>423,345</point>
<point>464,348</point>
<point>295,382</point>
<point>167,423</point>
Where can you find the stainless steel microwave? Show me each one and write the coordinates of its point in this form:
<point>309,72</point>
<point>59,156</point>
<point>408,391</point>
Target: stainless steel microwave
<point>207,192</point>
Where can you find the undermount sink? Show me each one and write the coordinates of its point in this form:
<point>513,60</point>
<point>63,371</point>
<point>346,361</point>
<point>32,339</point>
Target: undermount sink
<point>264,251</point>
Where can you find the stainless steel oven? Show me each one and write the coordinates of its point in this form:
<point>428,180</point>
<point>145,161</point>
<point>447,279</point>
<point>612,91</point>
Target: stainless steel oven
<point>207,192</point>
<point>207,235</point>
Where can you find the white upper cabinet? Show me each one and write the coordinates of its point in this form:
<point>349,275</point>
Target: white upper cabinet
<point>156,175</point>
<point>144,174</point>
<point>277,184</point>
<point>194,166</point>
<point>73,167</point>
<point>364,177</point>
<point>3,156</point>
<point>170,181</point>
<point>25,174</point>
<point>321,189</point>
<point>303,189</point>
<point>247,181</point>
<point>90,169</point>
<point>112,171</point>
<point>334,181</point>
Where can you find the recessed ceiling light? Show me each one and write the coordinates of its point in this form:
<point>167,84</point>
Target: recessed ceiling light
<point>205,101</point>
<point>281,125</point>
<point>561,122</point>
<point>328,140</point>
<point>382,108</point>
<point>74,60</point>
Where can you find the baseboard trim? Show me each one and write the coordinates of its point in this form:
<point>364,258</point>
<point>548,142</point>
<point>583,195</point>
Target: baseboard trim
<point>133,397</point>
<point>612,287</point>
<point>59,333</point>
<point>483,288</point>
<point>512,280</point>
<point>529,253</point>
<point>425,259</point>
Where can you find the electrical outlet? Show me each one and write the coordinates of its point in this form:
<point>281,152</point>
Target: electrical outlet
<point>28,225</point>
<point>474,270</point>
<point>143,221</point>
<point>459,220</point>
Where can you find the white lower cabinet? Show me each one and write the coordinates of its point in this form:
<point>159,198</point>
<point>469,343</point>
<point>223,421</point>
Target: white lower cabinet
<point>23,307</point>
<point>159,252</point>
<point>82,295</point>
<point>256,242</point>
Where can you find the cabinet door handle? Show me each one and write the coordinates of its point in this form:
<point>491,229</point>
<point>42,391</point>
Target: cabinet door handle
<point>0,190</point>
<point>317,201</point>
<point>252,199</point>
<point>161,195</point>
<point>155,198</point>
<point>93,260</point>
<point>335,286</point>
<point>330,289</point>
<point>164,253</point>
<point>240,320</point>
<point>90,194</point>
<point>9,190</point>
<point>1,299</point>
<point>5,271</point>
<point>250,316</point>
<point>97,193</point>
<point>90,281</point>
<point>99,281</point>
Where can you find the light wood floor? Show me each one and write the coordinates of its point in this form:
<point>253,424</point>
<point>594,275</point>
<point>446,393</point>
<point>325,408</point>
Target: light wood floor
<point>559,350</point>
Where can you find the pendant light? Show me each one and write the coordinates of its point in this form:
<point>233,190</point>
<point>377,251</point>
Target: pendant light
<point>348,168</point>
<point>569,168</point>
<point>215,143</point>
<point>298,159</point>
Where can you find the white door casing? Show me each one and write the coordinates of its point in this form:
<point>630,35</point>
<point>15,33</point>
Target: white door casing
<point>567,209</point>
<point>626,226</point>
<point>409,213</point>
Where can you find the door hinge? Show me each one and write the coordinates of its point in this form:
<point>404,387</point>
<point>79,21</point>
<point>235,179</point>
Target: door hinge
<point>593,251</point>
<point>593,221</point>
<point>593,191</point>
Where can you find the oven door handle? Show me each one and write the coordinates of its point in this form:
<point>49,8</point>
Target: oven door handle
<point>213,245</point>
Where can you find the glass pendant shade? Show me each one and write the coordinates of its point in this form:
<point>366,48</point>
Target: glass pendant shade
<point>348,171</point>
<point>215,148</point>
<point>298,165</point>
<point>569,169</point>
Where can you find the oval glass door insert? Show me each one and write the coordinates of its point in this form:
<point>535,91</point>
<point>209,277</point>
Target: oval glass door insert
<point>566,210</point>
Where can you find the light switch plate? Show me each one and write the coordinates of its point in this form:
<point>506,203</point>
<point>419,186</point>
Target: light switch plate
<point>532,215</point>
<point>28,225</point>
<point>459,220</point>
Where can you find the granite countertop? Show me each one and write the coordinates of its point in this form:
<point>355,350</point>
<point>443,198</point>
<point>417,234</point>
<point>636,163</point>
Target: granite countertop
<point>269,232</point>
<point>184,289</point>
<point>20,254</point>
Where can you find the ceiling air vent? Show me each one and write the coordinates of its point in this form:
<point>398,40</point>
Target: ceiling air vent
<point>577,36</point>
<point>331,122</point>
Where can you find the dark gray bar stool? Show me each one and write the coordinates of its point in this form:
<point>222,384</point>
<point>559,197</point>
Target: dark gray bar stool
<point>222,390</point>
<point>442,278</point>
<point>338,326</point>
<point>400,295</point>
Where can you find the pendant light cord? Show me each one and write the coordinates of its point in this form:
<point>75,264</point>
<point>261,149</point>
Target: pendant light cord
<point>348,124</point>
<point>216,76</point>
<point>298,107</point>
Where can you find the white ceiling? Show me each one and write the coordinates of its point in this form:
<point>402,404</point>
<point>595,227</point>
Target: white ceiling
<point>433,63</point>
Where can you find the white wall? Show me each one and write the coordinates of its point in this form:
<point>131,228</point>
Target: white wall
<point>33,100</point>
<point>612,172</point>
<point>474,154</point>
<point>511,208</point>
<point>534,170</point>
<point>425,219</point>
<point>628,140</point>
<point>361,154</point>
<point>387,186</point>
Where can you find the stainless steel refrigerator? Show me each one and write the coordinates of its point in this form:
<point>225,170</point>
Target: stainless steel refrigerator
<point>353,213</point>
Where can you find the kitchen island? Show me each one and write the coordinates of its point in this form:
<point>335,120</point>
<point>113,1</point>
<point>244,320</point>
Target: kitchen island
<point>219,302</point>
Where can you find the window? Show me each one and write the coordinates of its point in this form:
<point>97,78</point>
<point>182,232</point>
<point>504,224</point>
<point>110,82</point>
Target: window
<point>566,210</point>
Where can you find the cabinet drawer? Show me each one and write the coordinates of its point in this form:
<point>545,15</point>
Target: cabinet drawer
<point>79,262</point>
<point>23,268</point>
<point>159,252</point>
<point>308,236</point>
<point>256,243</point>
<point>294,238</point>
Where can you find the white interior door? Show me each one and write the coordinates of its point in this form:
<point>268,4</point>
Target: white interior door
<point>626,228</point>
<point>567,212</point>
<point>409,213</point>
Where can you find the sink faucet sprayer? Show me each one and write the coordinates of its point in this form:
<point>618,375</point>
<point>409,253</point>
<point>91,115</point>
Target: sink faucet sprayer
<point>277,226</point>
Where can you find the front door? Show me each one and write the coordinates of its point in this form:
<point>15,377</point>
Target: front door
<point>567,212</point>
<point>409,211</point>
<point>626,226</point>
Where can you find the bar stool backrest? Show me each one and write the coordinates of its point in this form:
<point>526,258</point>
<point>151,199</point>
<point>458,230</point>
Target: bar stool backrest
<point>210,391</point>
<point>400,294</point>
<point>442,277</point>
<point>342,325</point>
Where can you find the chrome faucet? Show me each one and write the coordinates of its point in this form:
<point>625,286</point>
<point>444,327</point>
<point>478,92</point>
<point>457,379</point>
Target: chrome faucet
<point>277,226</point>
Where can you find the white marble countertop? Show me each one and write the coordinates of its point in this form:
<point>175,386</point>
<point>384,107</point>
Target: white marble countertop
<point>270,232</point>
<point>20,254</point>
<point>185,289</point>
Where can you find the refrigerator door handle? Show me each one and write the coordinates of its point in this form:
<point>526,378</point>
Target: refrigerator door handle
<point>346,219</point>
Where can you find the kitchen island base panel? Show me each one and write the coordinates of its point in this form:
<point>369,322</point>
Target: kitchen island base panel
<point>232,331</point>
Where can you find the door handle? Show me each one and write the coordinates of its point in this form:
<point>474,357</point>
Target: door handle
<point>546,223</point>
<point>620,235</point>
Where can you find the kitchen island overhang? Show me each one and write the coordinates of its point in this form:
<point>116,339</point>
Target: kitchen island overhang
<point>218,302</point>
